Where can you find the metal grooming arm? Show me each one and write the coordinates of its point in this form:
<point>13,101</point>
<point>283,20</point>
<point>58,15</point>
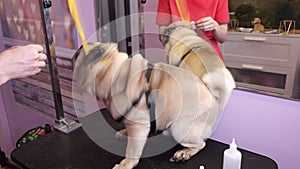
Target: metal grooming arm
<point>61,123</point>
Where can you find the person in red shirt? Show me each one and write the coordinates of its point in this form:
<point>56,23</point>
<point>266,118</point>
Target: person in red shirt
<point>210,16</point>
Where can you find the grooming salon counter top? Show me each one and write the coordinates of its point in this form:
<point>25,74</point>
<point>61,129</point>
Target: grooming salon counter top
<point>76,150</point>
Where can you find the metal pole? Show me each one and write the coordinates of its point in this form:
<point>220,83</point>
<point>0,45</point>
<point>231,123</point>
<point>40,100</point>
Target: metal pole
<point>50,49</point>
<point>128,27</point>
<point>142,27</point>
<point>61,123</point>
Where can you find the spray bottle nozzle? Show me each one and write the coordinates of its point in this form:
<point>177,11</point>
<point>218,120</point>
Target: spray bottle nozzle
<point>233,144</point>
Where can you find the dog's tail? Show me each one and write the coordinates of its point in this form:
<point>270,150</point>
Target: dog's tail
<point>220,83</point>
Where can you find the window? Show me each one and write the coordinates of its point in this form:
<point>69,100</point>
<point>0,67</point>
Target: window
<point>271,12</point>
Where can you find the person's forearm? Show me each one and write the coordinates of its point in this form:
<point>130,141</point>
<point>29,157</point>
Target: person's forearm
<point>220,33</point>
<point>6,66</point>
<point>3,79</point>
<point>3,76</point>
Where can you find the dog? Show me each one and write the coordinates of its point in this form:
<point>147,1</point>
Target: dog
<point>129,87</point>
<point>257,26</point>
<point>187,50</point>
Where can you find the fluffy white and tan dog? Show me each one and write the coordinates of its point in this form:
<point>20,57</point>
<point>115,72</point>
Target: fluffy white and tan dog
<point>187,50</point>
<point>183,104</point>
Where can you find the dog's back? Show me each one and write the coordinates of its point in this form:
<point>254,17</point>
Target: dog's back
<point>203,62</point>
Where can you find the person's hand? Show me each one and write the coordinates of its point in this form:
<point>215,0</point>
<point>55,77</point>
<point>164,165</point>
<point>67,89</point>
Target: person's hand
<point>207,24</point>
<point>21,61</point>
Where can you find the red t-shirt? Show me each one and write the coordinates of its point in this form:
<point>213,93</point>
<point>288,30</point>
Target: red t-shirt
<point>167,12</point>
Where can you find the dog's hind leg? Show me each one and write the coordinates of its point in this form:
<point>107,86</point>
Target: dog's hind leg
<point>186,153</point>
<point>192,137</point>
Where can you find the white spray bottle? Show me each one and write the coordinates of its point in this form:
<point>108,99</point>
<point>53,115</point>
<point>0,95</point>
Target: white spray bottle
<point>232,157</point>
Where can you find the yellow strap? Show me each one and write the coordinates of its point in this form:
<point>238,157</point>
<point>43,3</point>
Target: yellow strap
<point>183,10</point>
<point>73,10</point>
<point>105,61</point>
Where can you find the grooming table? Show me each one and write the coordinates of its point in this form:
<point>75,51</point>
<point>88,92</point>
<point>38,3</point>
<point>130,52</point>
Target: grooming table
<point>76,150</point>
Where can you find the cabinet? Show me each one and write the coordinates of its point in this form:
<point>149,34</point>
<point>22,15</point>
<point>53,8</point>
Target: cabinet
<point>264,63</point>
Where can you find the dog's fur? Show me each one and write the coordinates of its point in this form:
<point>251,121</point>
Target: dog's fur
<point>179,39</point>
<point>183,102</point>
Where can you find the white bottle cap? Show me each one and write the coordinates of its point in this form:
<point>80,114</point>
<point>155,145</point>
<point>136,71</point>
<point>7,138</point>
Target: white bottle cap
<point>201,167</point>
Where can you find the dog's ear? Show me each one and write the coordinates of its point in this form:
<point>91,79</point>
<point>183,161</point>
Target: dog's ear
<point>164,38</point>
<point>95,53</point>
<point>75,56</point>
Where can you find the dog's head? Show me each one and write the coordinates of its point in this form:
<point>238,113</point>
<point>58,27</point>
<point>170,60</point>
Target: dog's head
<point>172,28</point>
<point>86,66</point>
<point>175,31</point>
<point>256,21</point>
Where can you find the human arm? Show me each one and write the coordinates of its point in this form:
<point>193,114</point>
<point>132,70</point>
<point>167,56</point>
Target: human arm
<point>21,61</point>
<point>209,24</point>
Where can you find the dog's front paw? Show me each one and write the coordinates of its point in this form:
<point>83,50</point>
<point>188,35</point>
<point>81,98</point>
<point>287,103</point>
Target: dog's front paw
<point>180,155</point>
<point>117,166</point>
<point>126,164</point>
<point>184,154</point>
